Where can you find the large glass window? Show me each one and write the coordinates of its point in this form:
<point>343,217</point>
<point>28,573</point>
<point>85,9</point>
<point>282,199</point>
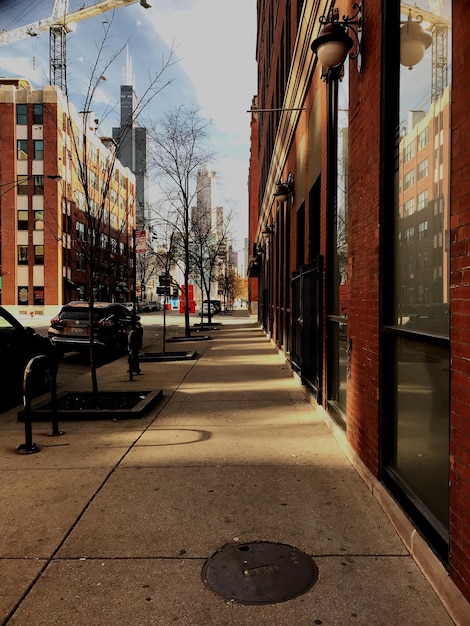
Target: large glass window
<point>419,420</point>
<point>338,281</point>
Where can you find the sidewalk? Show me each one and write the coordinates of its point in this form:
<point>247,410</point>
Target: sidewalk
<point>113,522</point>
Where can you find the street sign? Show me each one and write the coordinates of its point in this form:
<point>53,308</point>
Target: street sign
<point>140,241</point>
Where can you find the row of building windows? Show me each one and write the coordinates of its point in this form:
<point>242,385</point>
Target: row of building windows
<point>22,151</point>
<point>23,255</point>
<point>23,219</point>
<point>423,171</point>
<point>409,233</point>
<point>416,145</point>
<point>23,183</point>
<point>22,114</point>
<point>420,202</point>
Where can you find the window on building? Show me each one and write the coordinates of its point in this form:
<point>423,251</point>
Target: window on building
<point>409,151</point>
<point>22,255</point>
<point>423,138</point>
<point>422,200</point>
<point>23,296</point>
<point>409,207</point>
<point>422,169</point>
<point>423,230</point>
<point>39,220</point>
<point>80,231</point>
<point>38,296</point>
<point>416,308</point>
<point>422,260</point>
<point>21,149</point>
<point>22,185</point>
<point>81,261</point>
<point>22,223</point>
<point>38,255</point>
<point>409,179</point>
<point>38,185</point>
<point>39,149</point>
<point>21,114</point>
<point>37,114</point>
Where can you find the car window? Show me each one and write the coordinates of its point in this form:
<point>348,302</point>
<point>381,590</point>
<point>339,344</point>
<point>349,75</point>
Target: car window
<point>5,324</point>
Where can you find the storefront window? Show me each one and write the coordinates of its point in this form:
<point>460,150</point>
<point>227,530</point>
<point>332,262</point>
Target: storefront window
<point>422,206</point>
<point>421,257</point>
<point>338,297</point>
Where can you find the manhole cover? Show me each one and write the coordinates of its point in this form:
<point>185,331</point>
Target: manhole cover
<point>260,572</point>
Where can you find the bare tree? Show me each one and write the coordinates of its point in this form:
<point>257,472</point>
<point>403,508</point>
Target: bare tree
<point>97,206</point>
<point>209,253</point>
<point>177,152</point>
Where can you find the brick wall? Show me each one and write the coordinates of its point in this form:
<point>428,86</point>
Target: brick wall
<point>460,307</point>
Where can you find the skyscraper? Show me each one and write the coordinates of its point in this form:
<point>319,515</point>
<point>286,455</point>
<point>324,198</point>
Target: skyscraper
<point>131,140</point>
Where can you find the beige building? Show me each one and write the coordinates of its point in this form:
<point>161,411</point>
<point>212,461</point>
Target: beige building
<point>67,205</point>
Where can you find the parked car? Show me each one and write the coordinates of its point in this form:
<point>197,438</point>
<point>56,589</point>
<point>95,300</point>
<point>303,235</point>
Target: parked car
<point>215,307</point>
<point>143,306</point>
<point>70,329</point>
<point>129,306</point>
<point>434,319</point>
<point>18,345</point>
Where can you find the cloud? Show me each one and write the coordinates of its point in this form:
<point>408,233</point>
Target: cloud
<point>216,44</point>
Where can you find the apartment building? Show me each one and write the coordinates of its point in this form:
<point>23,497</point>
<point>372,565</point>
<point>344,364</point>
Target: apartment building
<point>67,205</point>
<point>359,246</point>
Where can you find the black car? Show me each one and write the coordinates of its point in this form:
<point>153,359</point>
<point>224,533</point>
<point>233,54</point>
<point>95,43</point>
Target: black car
<point>18,345</point>
<point>112,322</point>
<point>433,319</point>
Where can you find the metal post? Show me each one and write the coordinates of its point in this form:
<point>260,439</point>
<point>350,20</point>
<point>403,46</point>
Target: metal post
<point>134,344</point>
<point>54,361</point>
<point>28,447</point>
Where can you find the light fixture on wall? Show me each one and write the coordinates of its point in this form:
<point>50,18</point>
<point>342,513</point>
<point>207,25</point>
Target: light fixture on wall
<point>284,188</point>
<point>414,41</point>
<point>334,43</point>
<point>267,232</point>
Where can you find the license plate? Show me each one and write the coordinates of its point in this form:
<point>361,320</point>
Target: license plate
<point>76,330</point>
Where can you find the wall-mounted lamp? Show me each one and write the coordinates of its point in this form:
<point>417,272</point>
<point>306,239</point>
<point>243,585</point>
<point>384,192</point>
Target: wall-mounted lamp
<point>267,232</point>
<point>413,41</point>
<point>284,188</point>
<point>333,42</point>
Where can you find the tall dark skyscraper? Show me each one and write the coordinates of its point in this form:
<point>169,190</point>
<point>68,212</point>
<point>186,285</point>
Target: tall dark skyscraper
<point>131,140</point>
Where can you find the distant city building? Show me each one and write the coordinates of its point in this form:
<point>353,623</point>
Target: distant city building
<point>131,141</point>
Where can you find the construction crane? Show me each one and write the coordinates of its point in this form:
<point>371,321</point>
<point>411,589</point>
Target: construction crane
<point>58,25</point>
<point>439,25</point>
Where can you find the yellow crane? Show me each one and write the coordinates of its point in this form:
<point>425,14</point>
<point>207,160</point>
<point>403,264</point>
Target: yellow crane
<point>58,26</point>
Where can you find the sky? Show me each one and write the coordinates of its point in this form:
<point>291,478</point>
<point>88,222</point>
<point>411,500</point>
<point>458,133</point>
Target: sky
<point>214,42</point>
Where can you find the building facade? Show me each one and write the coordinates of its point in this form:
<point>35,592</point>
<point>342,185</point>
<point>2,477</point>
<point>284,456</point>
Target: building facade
<point>359,244</point>
<point>62,189</point>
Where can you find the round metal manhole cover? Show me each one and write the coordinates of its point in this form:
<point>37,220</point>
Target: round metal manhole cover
<point>260,572</point>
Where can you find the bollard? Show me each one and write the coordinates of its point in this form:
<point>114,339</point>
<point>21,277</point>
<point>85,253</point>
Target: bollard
<point>28,447</point>
<point>134,342</point>
<point>54,367</point>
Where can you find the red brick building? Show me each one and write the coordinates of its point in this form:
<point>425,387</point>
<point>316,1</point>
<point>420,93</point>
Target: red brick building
<point>359,233</point>
<point>48,219</point>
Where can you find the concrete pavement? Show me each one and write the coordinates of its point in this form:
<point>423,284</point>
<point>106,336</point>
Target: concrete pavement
<point>113,522</point>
